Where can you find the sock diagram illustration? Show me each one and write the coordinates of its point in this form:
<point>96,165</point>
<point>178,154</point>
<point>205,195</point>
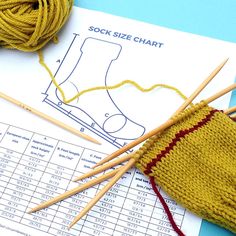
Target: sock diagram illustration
<point>84,66</point>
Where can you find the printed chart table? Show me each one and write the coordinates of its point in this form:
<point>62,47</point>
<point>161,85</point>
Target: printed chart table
<point>34,168</point>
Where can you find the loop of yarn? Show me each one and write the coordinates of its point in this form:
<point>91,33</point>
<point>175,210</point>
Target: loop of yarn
<point>28,25</point>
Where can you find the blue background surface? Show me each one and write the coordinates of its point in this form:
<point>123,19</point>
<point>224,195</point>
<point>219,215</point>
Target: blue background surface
<point>211,18</point>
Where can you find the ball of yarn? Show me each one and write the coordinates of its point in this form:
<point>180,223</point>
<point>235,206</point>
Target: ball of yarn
<point>28,25</point>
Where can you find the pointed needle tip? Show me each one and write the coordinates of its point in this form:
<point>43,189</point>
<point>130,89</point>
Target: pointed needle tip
<point>76,179</point>
<point>95,166</point>
<point>92,140</point>
<point>88,138</point>
<point>96,142</point>
<point>226,60</point>
<point>71,224</point>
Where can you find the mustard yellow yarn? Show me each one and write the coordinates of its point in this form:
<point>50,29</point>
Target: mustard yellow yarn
<point>96,88</point>
<point>28,25</point>
<point>194,161</point>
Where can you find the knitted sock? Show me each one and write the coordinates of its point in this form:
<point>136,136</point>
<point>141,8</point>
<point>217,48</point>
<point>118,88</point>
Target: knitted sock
<point>194,162</point>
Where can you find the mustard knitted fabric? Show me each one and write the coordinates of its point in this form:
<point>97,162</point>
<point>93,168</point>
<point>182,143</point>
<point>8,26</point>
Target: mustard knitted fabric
<point>194,161</point>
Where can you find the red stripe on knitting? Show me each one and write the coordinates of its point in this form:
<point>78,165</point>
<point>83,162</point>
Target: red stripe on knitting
<point>178,136</point>
<point>166,208</point>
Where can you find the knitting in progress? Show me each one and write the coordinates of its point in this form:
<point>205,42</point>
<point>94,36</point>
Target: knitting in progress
<point>28,25</point>
<point>194,162</point>
<point>191,157</point>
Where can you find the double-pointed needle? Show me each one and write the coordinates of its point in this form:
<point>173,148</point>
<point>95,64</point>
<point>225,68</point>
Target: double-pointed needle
<point>48,118</point>
<point>116,174</point>
<point>168,123</point>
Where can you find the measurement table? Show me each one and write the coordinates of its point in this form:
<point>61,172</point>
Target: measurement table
<point>35,168</point>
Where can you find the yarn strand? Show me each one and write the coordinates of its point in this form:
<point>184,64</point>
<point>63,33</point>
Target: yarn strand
<point>166,208</point>
<point>111,87</point>
<point>125,82</point>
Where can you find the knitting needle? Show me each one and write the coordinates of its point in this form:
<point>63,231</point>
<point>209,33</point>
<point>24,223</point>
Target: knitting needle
<point>75,191</point>
<point>221,93</point>
<point>104,167</point>
<point>103,191</point>
<point>201,87</point>
<point>168,123</point>
<point>230,110</point>
<point>120,173</point>
<point>132,162</point>
<point>48,118</point>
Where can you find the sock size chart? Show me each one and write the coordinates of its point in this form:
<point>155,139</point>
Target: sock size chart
<point>35,168</point>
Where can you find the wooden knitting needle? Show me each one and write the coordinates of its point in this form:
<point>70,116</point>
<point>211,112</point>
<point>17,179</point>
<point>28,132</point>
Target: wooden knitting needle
<point>127,157</point>
<point>75,191</point>
<point>132,161</point>
<point>221,93</point>
<point>118,175</point>
<point>201,87</point>
<point>230,110</point>
<point>117,172</point>
<point>166,124</point>
<point>48,118</point>
<point>104,167</point>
